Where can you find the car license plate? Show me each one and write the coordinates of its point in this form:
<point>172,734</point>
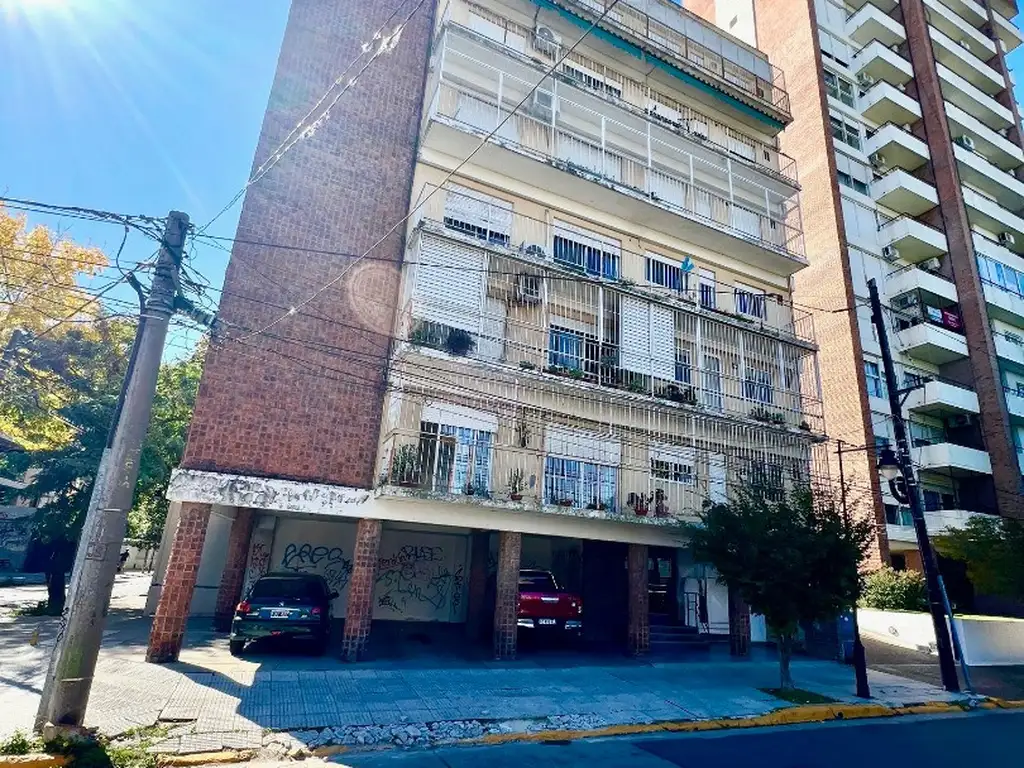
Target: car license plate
<point>547,622</point>
<point>279,613</point>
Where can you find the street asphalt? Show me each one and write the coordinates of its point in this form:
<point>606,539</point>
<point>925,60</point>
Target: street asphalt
<point>944,741</point>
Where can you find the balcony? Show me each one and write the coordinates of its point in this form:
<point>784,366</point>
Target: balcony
<point>969,98</point>
<point>881,64</point>
<point>964,62</point>
<point>951,460</point>
<point>1015,403</point>
<point>871,23</point>
<point>571,142</point>
<point>913,240</point>
<point>1003,304</point>
<point>883,5</point>
<point>1008,33</point>
<point>941,399</point>
<point>906,194</point>
<point>971,11</point>
<point>1005,188</point>
<point>932,288</point>
<point>697,47</point>
<point>996,148</point>
<point>955,27</point>
<point>892,147</point>
<point>884,103</point>
<point>988,214</point>
<point>1010,351</point>
<point>931,343</point>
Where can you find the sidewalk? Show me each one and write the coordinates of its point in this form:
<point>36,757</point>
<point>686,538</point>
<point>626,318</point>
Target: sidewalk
<point>211,700</point>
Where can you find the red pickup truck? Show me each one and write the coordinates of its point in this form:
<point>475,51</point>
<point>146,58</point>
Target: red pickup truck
<point>545,607</point>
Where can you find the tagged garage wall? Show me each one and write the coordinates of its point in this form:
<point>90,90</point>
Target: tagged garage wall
<point>421,574</point>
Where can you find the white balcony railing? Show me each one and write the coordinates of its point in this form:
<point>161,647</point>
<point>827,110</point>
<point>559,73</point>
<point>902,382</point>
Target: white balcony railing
<point>634,156</point>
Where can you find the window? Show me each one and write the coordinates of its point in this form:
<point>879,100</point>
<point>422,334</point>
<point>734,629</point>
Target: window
<point>537,581</point>
<point>881,443</point>
<point>912,380</point>
<point>458,458</point>
<point>666,275</point>
<point>708,290</point>
<point>713,383</point>
<point>477,215</point>
<point>844,132</point>
<point>579,484</point>
<point>1020,389</point>
<point>839,88</point>
<point>592,81</point>
<point>897,515</point>
<point>855,184</point>
<point>925,434</point>
<point>758,386</point>
<point>684,371</point>
<point>874,379</point>
<point>673,472</point>
<point>573,350</point>
<point>750,302</point>
<point>766,479</point>
<point>589,253</point>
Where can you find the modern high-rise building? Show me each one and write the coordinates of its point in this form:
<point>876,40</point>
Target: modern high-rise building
<point>908,138</point>
<point>521,300</point>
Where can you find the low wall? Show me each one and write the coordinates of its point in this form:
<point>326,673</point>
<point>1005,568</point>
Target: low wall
<point>986,640</point>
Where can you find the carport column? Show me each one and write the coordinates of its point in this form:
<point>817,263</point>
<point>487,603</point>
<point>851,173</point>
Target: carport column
<point>639,632</point>
<point>739,625</point>
<point>480,549</point>
<point>506,597</point>
<point>359,613</point>
<point>230,590</point>
<point>179,582</point>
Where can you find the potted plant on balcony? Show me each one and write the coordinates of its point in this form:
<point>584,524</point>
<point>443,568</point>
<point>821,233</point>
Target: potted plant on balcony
<point>459,342</point>
<point>640,503</point>
<point>565,502</point>
<point>405,466</point>
<point>526,365</point>
<point>597,505</point>
<point>660,507</point>
<point>515,485</point>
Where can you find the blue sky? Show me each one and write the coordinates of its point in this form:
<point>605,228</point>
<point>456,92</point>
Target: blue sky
<point>135,106</point>
<point>140,106</point>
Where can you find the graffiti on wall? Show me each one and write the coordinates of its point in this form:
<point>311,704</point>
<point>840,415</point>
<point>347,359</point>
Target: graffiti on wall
<point>329,562</point>
<point>416,577</point>
<point>259,563</point>
<point>15,533</point>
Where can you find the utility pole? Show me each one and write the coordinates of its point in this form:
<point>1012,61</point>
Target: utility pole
<point>73,662</point>
<point>947,665</point>
<point>860,662</point>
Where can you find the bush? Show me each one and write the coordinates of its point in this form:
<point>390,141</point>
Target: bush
<point>19,744</point>
<point>890,590</point>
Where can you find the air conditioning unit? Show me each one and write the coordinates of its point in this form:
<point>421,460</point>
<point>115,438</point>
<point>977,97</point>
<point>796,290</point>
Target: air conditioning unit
<point>931,265</point>
<point>865,80</point>
<point>528,288</point>
<point>964,44</point>
<point>542,105</point>
<point>546,40</point>
<point>966,142</point>
<point>905,301</point>
<point>1004,132</point>
<point>902,87</point>
<point>890,252</point>
<point>960,420</point>
<point>877,160</point>
<point>1007,239</point>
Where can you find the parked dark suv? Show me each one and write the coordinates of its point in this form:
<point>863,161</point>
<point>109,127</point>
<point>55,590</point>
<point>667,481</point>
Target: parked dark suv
<point>286,605</point>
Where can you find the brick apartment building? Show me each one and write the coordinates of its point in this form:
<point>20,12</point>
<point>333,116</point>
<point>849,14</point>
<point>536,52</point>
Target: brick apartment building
<point>923,191</point>
<point>582,332</point>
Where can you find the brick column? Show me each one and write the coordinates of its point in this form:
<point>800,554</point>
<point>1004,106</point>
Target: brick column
<point>477,593</point>
<point>739,625</point>
<point>168,629</point>
<point>506,597</point>
<point>359,612</point>
<point>639,631</point>
<point>230,591</point>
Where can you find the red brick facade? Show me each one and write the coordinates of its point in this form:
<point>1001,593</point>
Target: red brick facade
<point>168,628</point>
<point>506,598</point>
<point>231,579</point>
<point>982,373</point>
<point>638,636</point>
<point>304,400</point>
<point>359,613</point>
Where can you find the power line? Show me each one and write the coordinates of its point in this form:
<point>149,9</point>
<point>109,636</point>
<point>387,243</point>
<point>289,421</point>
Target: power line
<point>448,176</point>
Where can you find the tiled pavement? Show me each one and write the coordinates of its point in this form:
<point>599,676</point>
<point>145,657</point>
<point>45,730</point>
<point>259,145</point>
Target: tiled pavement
<point>223,702</point>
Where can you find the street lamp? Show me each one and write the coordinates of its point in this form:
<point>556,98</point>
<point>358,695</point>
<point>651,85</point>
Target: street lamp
<point>888,467</point>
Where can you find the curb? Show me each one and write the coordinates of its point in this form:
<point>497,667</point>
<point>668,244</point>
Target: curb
<point>34,760</point>
<point>206,758</point>
<point>996,703</point>
<point>811,713</point>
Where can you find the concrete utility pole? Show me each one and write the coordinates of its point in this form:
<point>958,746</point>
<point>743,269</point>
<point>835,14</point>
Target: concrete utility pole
<point>947,666</point>
<point>73,662</point>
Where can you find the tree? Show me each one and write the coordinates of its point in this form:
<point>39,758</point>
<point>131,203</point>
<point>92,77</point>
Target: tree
<point>993,550</point>
<point>791,556</point>
<point>890,590</point>
<point>39,274</point>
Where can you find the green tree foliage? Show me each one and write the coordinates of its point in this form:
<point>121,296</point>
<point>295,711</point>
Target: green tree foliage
<point>791,556</point>
<point>890,590</point>
<point>993,550</point>
<point>88,368</point>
